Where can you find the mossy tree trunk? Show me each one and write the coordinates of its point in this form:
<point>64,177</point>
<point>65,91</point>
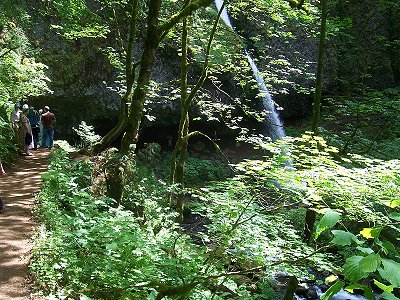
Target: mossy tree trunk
<point>130,118</point>
<point>155,33</point>
<point>115,132</point>
<point>146,66</point>
<point>180,150</point>
<point>320,65</point>
<point>179,155</point>
<point>291,288</point>
<point>311,214</point>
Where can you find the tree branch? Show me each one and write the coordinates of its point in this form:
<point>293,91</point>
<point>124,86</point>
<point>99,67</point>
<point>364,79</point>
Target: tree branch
<point>164,28</point>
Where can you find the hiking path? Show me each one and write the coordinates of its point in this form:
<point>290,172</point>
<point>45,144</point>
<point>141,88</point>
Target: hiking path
<point>17,190</point>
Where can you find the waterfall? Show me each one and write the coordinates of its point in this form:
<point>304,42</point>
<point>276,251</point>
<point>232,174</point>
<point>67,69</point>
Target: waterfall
<point>272,119</point>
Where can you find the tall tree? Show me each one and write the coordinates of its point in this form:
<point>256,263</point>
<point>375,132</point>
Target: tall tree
<point>320,65</point>
<point>155,32</point>
<point>179,155</point>
<point>311,214</point>
<point>137,73</point>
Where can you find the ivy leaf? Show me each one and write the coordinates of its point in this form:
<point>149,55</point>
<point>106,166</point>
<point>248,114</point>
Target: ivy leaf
<point>352,270</point>
<point>329,220</point>
<point>370,263</point>
<point>332,291</point>
<point>370,233</point>
<point>343,238</point>
<point>395,216</point>
<point>391,272</point>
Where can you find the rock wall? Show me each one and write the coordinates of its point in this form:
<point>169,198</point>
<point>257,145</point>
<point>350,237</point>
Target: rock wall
<point>87,87</point>
<point>367,52</point>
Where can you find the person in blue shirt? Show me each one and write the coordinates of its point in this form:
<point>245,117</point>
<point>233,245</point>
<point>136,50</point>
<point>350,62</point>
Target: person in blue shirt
<point>33,117</point>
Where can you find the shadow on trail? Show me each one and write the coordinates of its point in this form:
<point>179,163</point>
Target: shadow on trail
<point>17,190</point>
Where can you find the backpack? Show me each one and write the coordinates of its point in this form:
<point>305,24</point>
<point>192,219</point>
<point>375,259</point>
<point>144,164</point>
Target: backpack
<point>33,117</point>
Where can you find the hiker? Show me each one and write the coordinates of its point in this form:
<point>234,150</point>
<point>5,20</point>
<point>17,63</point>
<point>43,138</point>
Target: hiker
<point>2,206</point>
<point>26,130</point>
<point>33,117</point>
<point>15,124</point>
<point>48,121</point>
<point>41,126</point>
<point>2,173</point>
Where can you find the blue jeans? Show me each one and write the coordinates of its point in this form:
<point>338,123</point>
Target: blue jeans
<point>48,137</point>
<point>35,134</point>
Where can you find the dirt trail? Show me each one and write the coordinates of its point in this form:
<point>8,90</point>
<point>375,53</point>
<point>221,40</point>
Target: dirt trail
<point>17,190</point>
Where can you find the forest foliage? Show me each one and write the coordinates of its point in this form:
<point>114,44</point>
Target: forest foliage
<point>248,228</point>
<point>244,223</point>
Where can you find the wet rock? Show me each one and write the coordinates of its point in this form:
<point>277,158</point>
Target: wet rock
<point>301,290</point>
<point>312,294</point>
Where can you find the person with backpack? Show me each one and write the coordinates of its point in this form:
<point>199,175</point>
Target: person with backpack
<point>33,117</point>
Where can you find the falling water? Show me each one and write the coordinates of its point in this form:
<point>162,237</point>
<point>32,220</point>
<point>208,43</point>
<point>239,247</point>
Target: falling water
<point>341,295</point>
<point>272,118</point>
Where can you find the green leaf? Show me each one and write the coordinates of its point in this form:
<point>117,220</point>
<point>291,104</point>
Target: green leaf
<point>389,296</point>
<point>329,220</point>
<point>330,279</point>
<point>385,288</point>
<point>370,263</point>
<point>367,290</point>
<point>395,216</point>
<point>112,246</point>
<point>332,291</point>
<point>343,238</point>
<point>391,272</point>
<point>370,233</point>
<point>389,247</point>
<point>393,203</point>
<point>365,250</point>
<point>352,270</point>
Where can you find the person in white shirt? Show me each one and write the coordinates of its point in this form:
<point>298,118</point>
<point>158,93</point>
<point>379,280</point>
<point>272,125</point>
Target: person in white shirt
<point>16,125</point>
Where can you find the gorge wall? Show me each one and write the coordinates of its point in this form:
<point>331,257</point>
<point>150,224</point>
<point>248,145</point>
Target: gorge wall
<point>87,87</point>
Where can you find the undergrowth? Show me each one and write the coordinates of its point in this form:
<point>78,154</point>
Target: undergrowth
<point>90,247</point>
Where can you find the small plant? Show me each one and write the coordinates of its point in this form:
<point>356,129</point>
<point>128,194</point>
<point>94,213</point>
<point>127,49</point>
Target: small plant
<point>87,135</point>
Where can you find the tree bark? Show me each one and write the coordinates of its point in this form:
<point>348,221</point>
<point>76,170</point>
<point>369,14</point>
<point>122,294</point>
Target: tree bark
<point>311,214</point>
<point>130,78</point>
<point>320,65</point>
<point>155,33</point>
<point>178,169</point>
<point>146,66</point>
<point>291,289</point>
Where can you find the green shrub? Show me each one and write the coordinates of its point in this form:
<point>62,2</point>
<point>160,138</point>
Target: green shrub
<point>197,170</point>
<point>8,148</point>
<point>89,249</point>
